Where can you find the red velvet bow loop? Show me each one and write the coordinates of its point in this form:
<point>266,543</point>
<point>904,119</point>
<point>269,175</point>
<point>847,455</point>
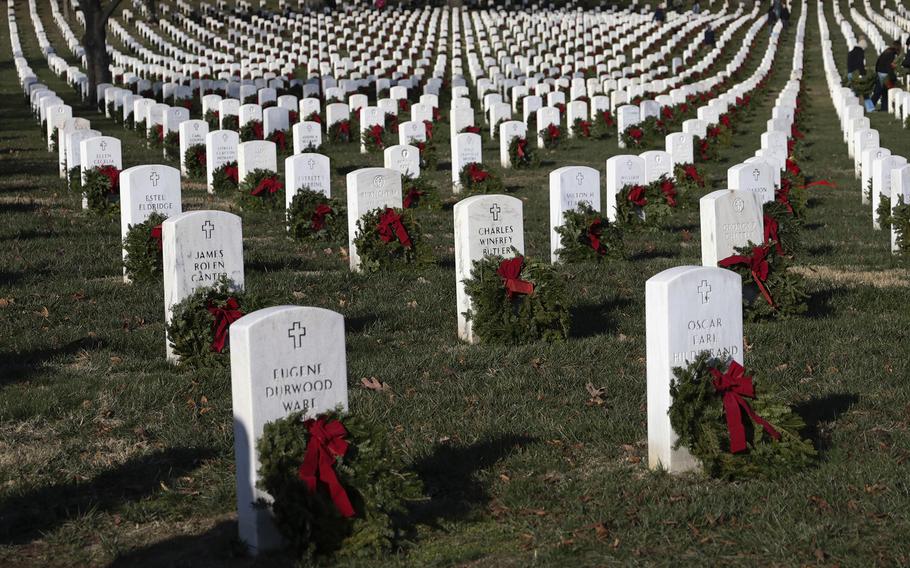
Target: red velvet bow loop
<point>782,195</point>
<point>317,222</point>
<point>733,386</point>
<point>771,233</point>
<point>636,133</point>
<point>758,267</point>
<point>325,444</point>
<point>156,236</point>
<point>376,131</point>
<point>637,196</point>
<point>520,147</point>
<point>224,317</point>
<point>344,128</point>
<point>792,167</point>
<point>595,230</point>
<point>412,199</point>
<point>280,140</point>
<point>607,118</point>
<point>113,177</point>
<point>669,190</point>
<point>510,272</point>
<point>390,227</point>
<point>692,173</point>
<point>232,173</point>
<point>585,127</point>
<point>268,186</point>
<point>428,128</point>
<point>553,132</point>
<point>477,173</point>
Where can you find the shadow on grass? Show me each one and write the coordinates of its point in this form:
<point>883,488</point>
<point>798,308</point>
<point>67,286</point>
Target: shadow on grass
<point>819,303</point>
<point>820,250</point>
<point>20,366</point>
<point>450,478</point>
<point>28,516</point>
<point>652,254</point>
<point>23,207</point>
<point>595,319</point>
<point>817,412</point>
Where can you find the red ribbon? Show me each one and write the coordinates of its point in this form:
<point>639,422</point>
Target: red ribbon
<point>257,129</point>
<point>782,195</point>
<point>344,129</point>
<point>824,182</point>
<point>725,120</point>
<point>224,317</point>
<point>472,129</point>
<point>771,228</point>
<point>231,172</point>
<point>595,230</point>
<point>520,148</point>
<point>200,157</point>
<point>376,131</point>
<point>792,167</point>
<point>636,134</point>
<point>733,386</point>
<point>318,219</point>
<point>293,116</point>
<point>113,177</point>
<point>712,132</point>
<point>280,140</point>
<point>428,128</point>
<point>402,105</point>
<point>553,132</point>
<point>325,443</point>
<point>268,186</point>
<point>157,236</point>
<point>607,118</point>
<point>510,272</point>
<point>159,131</point>
<point>795,133</point>
<point>637,196</point>
<point>669,190</point>
<point>585,127</point>
<point>314,117</point>
<point>436,114</point>
<point>412,199</point>
<point>692,173</point>
<point>667,113</point>
<point>390,227</point>
<point>477,173</point>
<point>758,266</point>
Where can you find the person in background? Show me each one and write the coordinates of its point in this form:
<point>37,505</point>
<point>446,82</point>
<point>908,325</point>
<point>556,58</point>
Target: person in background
<point>696,7</point>
<point>772,18</point>
<point>856,59</point>
<point>659,14</point>
<point>785,15</point>
<point>884,69</point>
<point>709,37</point>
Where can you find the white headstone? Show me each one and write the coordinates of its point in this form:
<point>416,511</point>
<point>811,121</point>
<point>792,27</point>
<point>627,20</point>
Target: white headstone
<point>310,171</point>
<point>368,189</point>
<point>754,177</point>
<point>466,149</point>
<point>569,187</point>
<point>145,190</point>
<point>729,219</point>
<point>404,158</point>
<point>622,170</point>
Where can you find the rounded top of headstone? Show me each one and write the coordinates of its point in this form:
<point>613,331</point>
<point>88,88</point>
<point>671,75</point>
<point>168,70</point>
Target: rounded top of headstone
<point>262,316</point>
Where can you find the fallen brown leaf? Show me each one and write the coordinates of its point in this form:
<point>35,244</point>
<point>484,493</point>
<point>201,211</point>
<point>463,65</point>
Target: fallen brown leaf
<point>373,384</point>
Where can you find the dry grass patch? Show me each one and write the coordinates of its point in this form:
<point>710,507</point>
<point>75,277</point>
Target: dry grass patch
<point>892,278</point>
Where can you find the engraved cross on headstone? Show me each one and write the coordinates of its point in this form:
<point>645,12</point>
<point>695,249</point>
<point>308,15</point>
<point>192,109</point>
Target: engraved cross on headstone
<point>704,289</point>
<point>154,177</point>
<point>208,228</point>
<point>297,332</point>
<point>580,177</point>
<point>103,146</point>
<point>494,211</point>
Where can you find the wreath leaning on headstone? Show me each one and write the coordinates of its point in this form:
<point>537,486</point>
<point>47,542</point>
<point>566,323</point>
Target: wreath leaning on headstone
<point>732,437</point>
<point>339,487</point>
<point>586,235</point>
<point>770,290</point>
<point>251,131</point>
<point>475,178</point>
<point>261,189</point>
<point>224,179</point>
<point>142,245</point>
<point>75,179</point>
<point>428,157</point>
<point>198,331</point>
<point>387,238</point>
<point>194,158</point>
<point>781,229</point>
<point>521,154</point>
<point>213,118</point>
<point>313,216</point>
<point>374,138</point>
<point>551,136</point>
<point>641,205</point>
<point>172,146</point>
<point>900,224</point>
<point>418,192</point>
<point>102,189</point>
<point>604,125</point>
<point>339,132</point>
<point>517,301</point>
<point>230,122</point>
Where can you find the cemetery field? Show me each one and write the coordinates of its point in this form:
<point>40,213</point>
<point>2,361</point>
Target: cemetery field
<point>529,455</point>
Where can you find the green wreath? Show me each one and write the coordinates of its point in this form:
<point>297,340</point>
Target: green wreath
<point>231,122</point>
<point>339,132</point>
<point>705,149</point>
<point>699,420</point>
<point>192,331</point>
<point>309,220</point>
<point>604,125</point>
<point>102,190</point>
<point>520,318</point>
<point>390,122</point>
<point>633,137</point>
<point>380,246</point>
<point>283,140</point>
<point>428,157</point>
<point>261,189</point>
<point>641,206</point>
<point>75,179</point>
<point>792,193</point>
<point>527,157</point>
<point>195,160</point>
<point>372,473</point>
<point>112,111</point>
<point>251,131</point>
<point>419,192</point>
<point>475,178</point>
<point>861,86</point>
<point>689,178</point>
<point>770,290</point>
<point>551,136</point>
<point>55,135</point>
<point>788,228</point>
<point>581,128</point>
<point>883,211</point>
<point>154,136</point>
<point>585,235</point>
<point>375,138</point>
<point>213,118</point>
<point>900,224</point>
<point>224,179</point>
<point>143,261</point>
<point>172,146</point>
<point>139,126</point>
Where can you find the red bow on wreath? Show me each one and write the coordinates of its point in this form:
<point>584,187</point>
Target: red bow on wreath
<point>224,317</point>
<point>257,129</point>
<point>412,199</point>
<point>200,157</point>
<point>390,227</point>
<point>636,134</point>
<point>472,129</point>
<point>703,147</point>
<point>725,120</point>
<point>791,145</point>
<point>428,128</point>
<point>792,167</point>
<point>436,114</point>
<point>667,112</point>
<point>782,195</point>
<point>595,230</point>
<point>476,172</point>
<point>758,266</point>
<point>231,172</point>
<point>113,177</point>
<point>795,133</point>
<point>159,130</point>
<point>325,443</point>
<point>344,128</point>
<point>520,148</point>
<point>771,233</point>
<point>712,132</point>
<point>157,236</point>
<point>318,220</point>
<point>637,196</point>
<point>279,139</point>
<point>268,186</point>
<point>552,132</point>
<point>293,116</point>
<point>607,118</point>
<point>669,190</point>
<point>402,105</point>
<point>376,133</point>
<point>314,117</point>
<point>510,272</point>
<point>585,127</point>
<point>733,386</point>
<point>692,174</point>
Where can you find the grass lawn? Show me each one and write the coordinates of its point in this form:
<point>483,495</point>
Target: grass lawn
<point>110,456</point>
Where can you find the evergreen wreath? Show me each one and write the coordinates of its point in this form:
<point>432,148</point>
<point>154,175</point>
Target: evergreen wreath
<point>633,137</point>
<point>129,123</point>
<point>111,111</point>
<point>521,154</point>
<point>641,206</point>
<point>281,138</point>
<point>900,224</point>
<point>172,146</point>
<point>261,189</point>
<point>586,235</point>
<point>551,136</point>
<point>252,130</point>
<point>55,135</point>
<point>224,179</point>
<point>198,331</point>
<point>195,160</point>
<point>230,122</point>
<point>604,125</point>
<point>703,392</point>
<point>883,211</point>
<point>313,216</point>
<point>155,136</point>
<point>340,132</point>
<point>419,192</point>
<point>387,238</point>
<point>139,126</point>
<point>75,179</point>
<point>313,117</point>
<point>705,151</point>
<point>581,128</point>
<point>770,290</point>
<point>142,245</point>
<point>665,186</point>
<point>792,194</point>
<point>102,190</point>
<point>374,138</point>
<point>428,157</point>
<point>782,228</point>
<point>470,129</point>
<point>517,301</point>
<point>868,190</point>
<point>213,118</point>
<point>689,178</point>
<point>861,86</point>
<point>390,122</point>
<point>474,178</point>
<point>370,470</point>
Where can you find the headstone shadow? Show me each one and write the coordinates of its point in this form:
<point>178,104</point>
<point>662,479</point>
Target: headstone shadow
<point>592,319</point>
<point>819,411</point>
<point>21,366</point>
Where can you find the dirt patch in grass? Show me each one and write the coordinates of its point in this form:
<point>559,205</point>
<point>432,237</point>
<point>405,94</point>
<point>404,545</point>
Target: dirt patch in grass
<point>894,278</point>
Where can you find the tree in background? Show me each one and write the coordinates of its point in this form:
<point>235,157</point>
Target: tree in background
<point>94,41</point>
